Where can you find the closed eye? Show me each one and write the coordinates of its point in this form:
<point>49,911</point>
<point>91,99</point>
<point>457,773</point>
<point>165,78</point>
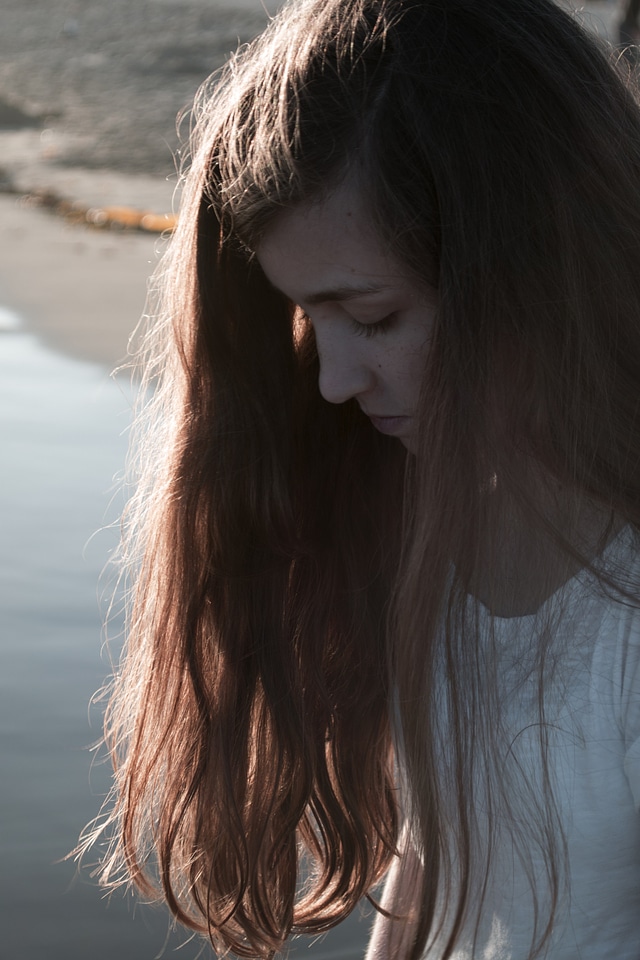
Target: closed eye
<point>372,329</point>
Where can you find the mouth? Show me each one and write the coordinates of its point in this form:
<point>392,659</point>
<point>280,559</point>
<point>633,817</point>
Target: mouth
<point>391,426</point>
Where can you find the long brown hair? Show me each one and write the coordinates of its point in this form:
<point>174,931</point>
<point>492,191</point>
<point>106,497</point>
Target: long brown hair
<point>296,579</point>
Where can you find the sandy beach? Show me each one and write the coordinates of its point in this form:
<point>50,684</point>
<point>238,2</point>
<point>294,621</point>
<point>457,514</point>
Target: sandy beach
<point>82,291</point>
<point>89,95</point>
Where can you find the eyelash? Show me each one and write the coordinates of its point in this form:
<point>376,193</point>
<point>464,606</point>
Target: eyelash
<point>371,329</point>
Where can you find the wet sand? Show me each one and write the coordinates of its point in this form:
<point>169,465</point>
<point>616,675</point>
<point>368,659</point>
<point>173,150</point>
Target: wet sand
<point>81,290</point>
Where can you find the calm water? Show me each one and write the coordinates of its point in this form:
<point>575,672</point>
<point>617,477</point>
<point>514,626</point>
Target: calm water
<point>62,444</point>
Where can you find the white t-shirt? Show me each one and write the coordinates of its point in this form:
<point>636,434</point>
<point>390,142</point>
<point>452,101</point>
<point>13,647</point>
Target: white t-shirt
<point>593,735</point>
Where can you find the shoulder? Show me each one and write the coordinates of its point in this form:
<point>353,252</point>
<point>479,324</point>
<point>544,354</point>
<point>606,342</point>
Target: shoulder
<point>615,613</point>
<point>615,672</point>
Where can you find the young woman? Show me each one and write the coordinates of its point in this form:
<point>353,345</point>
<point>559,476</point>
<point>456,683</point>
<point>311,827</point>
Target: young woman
<point>384,546</point>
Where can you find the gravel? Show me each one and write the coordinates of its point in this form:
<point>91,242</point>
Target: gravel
<point>106,79</point>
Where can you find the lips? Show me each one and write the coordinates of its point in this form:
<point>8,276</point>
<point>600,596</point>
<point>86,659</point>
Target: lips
<point>391,426</point>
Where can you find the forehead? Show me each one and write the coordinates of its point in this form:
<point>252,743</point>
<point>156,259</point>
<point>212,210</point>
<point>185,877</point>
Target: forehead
<point>328,250</point>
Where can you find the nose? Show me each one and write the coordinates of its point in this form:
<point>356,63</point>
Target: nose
<point>344,374</point>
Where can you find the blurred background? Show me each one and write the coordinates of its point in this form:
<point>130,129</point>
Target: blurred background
<point>89,94</point>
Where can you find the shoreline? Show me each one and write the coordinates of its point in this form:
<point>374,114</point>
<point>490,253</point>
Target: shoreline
<point>81,291</point>
<point>89,95</point>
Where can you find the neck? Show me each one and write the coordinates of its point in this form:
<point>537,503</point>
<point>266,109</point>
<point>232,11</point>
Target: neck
<point>535,553</point>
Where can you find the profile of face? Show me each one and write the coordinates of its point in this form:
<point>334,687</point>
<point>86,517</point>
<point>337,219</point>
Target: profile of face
<point>372,320</point>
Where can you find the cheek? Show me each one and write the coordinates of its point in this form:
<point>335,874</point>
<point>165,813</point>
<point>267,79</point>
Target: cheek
<point>410,369</point>
<point>414,375</point>
<point>402,374</point>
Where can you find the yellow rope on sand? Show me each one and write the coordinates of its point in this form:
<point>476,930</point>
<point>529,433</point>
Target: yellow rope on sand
<point>101,218</point>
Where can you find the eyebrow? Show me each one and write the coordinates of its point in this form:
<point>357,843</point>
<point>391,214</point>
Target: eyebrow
<point>343,293</point>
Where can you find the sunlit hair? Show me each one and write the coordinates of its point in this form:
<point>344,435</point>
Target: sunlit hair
<point>299,585</point>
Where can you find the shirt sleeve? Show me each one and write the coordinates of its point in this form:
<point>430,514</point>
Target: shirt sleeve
<point>632,770</point>
<point>630,700</point>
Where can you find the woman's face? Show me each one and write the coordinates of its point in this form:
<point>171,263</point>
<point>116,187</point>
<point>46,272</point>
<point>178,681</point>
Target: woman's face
<point>372,321</point>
